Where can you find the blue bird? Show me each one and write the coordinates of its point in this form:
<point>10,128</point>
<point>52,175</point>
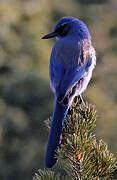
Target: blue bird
<point>72,61</point>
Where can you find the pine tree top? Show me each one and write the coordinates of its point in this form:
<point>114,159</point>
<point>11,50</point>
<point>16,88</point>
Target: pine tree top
<point>83,156</point>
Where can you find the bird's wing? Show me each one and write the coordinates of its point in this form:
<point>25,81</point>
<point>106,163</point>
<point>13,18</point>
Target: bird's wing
<point>68,63</point>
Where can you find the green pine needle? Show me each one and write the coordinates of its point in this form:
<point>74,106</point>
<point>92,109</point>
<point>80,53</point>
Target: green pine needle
<point>83,156</point>
<point>48,175</point>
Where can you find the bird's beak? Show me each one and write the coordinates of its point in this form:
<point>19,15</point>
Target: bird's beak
<point>50,35</point>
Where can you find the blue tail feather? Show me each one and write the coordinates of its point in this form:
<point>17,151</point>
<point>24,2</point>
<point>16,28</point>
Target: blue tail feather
<point>55,133</point>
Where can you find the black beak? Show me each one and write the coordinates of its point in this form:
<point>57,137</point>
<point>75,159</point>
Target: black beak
<point>50,35</point>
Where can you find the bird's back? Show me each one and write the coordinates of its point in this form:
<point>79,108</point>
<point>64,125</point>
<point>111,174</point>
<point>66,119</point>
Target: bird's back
<point>66,52</point>
<point>67,62</point>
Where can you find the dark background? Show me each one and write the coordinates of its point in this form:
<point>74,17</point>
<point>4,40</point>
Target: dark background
<point>25,96</point>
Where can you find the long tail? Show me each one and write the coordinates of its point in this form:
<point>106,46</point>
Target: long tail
<point>55,133</point>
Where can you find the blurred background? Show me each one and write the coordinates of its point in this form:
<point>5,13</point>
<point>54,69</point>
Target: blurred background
<point>25,96</point>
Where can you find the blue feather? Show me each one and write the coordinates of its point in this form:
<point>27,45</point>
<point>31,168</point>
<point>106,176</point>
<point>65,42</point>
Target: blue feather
<point>55,133</point>
<point>74,74</point>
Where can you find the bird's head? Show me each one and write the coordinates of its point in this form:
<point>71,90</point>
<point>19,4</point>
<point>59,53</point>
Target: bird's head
<point>68,26</point>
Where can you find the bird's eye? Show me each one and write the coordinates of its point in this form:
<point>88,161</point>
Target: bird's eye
<point>62,29</point>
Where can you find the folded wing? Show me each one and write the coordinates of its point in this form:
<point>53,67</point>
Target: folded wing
<point>68,64</point>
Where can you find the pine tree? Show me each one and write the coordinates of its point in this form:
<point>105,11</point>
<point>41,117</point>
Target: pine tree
<point>83,156</point>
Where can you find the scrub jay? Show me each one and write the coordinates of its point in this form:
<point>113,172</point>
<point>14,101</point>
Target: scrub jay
<point>72,61</point>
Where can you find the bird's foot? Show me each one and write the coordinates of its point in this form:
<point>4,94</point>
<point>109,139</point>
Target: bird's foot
<point>82,101</point>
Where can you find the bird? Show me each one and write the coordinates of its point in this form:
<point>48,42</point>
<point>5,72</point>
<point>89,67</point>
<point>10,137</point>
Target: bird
<point>72,61</point>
